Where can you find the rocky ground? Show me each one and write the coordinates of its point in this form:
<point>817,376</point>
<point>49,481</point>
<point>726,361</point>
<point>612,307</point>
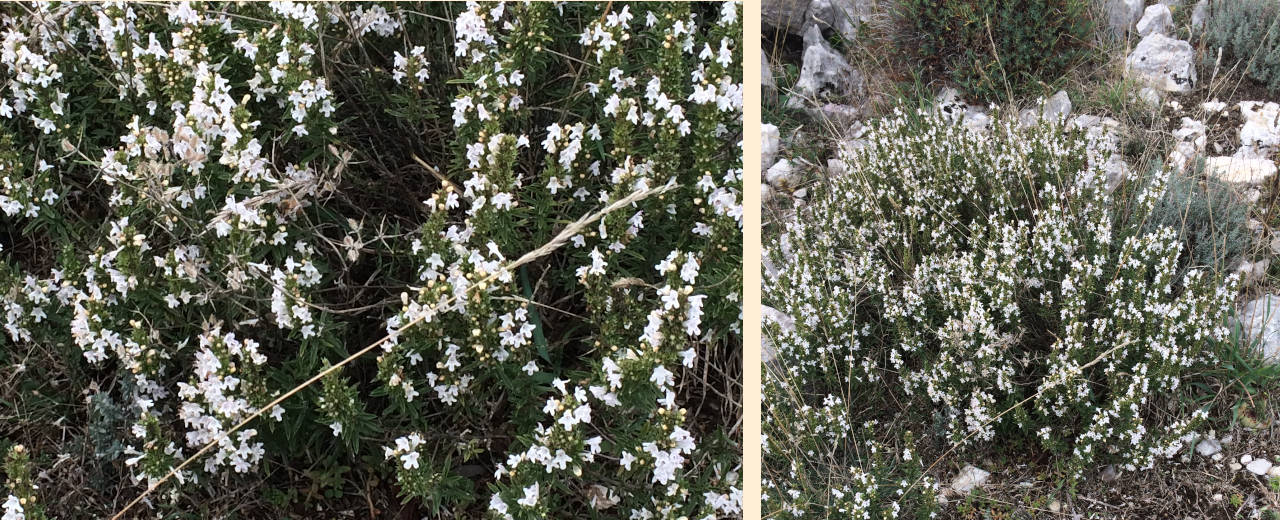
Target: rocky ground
<point>1179,103</point>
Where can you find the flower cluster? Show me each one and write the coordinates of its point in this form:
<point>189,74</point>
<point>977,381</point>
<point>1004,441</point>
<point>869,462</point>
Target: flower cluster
<point>994,284</point>
<point>243,196</point>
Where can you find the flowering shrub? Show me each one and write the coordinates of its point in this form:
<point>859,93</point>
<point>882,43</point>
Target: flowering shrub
<point>208,204</point>
<point>979,290</point>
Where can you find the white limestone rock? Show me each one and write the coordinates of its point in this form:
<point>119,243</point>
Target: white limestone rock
<point>1259,467</point>
<point>1156,19</point>
<point>786,16</point>
<point>1238,170</point>
<point>1164,63</point>
<point>1260,135</point>
<point>841,16</point>
<point>824,73</point>
<point>769,143</point>
<point>1260,320</point>
<point>1122,15</point>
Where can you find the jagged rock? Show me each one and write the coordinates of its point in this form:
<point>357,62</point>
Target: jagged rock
<point>1122,15</point>
<point>950,105</point>
<point>1056,107</point>
<point>785,15</point>
<point>1155,20</point>
<point>824,73</point>
<point>841,16</point>
<point>1239,170</point>
<point>1208,447</point>
<point>1163,62</point>
<point>1260,318</point>
<point>769,143</point>
<point>1189,142</point>
<point>1199,14</point>
<point>970,477</point>
<point>1260,134</point>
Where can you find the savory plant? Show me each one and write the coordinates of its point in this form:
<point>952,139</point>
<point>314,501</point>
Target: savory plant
<point>961,289</point>
<point>208,204</point>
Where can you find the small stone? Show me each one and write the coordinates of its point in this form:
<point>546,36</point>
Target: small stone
<point>1208,447</point>
<point>1235,466</point>
<point>769,143</point>
<point>1055,506</point>
<point>1150,97</point>
<point>1246,458</point>
<point>1217,457</point>
<point>1259,467</point>
<point>969,478</point>
<point>1155,20</point>
<point>781,175</point>
<point>1253,272</point>
<point>1275,471</point>
<point>1217,497</point>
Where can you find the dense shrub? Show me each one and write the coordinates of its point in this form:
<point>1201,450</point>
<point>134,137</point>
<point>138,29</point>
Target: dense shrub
<point>1248,30</point>
<point>205,205</point>
<point>1208,217</point>
<point>965,290</point>
<point>994,48</point>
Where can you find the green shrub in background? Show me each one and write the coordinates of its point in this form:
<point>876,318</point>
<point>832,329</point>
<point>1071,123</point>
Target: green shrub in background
<point>979,292</point>
<point>996,48</point>
<point>1209,220</point>
<point>1248,30</point>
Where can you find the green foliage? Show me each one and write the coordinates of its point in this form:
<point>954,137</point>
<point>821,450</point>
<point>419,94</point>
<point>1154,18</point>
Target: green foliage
<point>991,285</point>
<point>204,205</point>
<point>993,49</point>
<point>1248,30</point>
<point>1208,218</point>
<point>22,497</point>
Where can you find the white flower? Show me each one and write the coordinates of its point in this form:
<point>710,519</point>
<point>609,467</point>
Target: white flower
<point>410,460</point>
<point>530,496</point>
<point>13,509</point>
